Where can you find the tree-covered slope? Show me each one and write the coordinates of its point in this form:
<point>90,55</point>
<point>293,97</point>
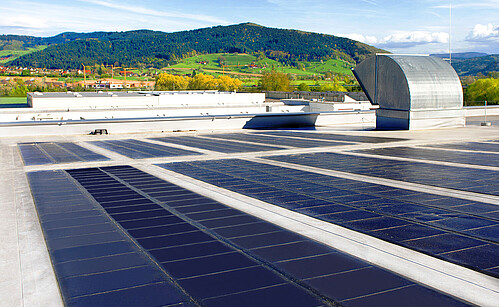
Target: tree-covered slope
<point>474,66</point>
<point>70,50</point>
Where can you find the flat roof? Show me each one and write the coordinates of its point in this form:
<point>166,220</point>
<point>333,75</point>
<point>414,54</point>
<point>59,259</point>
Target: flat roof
<point>305,217</point>
<point>100,94</point>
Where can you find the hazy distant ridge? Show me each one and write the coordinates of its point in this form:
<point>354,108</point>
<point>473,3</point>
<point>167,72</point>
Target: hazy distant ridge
<point>460,55</point>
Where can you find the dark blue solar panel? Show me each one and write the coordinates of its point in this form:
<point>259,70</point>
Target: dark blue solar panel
<point>224,146</point>
<point>95,262</point>
<point>32,155</point>
<point>322,264</point>
<point>108,281</point>
<point>333,137</point>
<point>183,249</point>
<point>346,285</point>
<point>156,294</point>
<point>418,295</point>
<point>461,178</point>
<point>210,264</point>
<point>140,150</point>
<point>242,231</point>
<point>229,282</point>
<point>281,295</point>
<point>275,140</point>
<point>477,158</point>
<point>473,146</point>
<point>58,152</point>
<point>392,214</point>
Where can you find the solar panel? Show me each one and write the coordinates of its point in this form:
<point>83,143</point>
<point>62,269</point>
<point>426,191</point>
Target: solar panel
<point>94,261</point>
<point>275,140</point>
<point>57,152</point>
<point>475,158</point>
<point>140,150</point>
<point>473,146</point>
<point>220,255</point>
<point>333,137</point>
<point>460,178</point>
<point>224,146</point>
<point>392,214</point>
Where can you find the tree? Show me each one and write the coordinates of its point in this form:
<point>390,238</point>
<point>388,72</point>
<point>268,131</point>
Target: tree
<point>332,87</point>
<point>167,82</point>
<point>221,60</point>
<point>303,87</point>
<point>483,89</point>
<point>226,83</point>
<point>275,81</point>
<point>202,82</point>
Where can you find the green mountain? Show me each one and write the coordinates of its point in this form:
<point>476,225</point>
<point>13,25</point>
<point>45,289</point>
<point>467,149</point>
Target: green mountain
<point>132,48</point>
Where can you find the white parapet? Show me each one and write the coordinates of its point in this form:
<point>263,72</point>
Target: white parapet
<point>137,99</point>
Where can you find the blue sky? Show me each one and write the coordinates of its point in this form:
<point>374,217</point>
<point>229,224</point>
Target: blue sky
<point>400,26</point>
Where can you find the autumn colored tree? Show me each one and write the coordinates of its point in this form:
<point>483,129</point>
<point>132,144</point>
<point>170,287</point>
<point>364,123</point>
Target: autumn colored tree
<point>275,81</point>
<point>226,83</point>
<point>167,82</point>
<point>203,82</point>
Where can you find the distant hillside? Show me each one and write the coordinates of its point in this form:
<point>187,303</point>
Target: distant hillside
<point>460,55</point>
<point>472,63</point>
<point>473,66</point>
<point>132,48</point>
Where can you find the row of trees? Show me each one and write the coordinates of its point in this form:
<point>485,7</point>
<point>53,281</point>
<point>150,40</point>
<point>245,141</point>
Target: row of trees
<point>19,88</point>
<point>167,82</point>
<point>270,81</point>
<point>276,81</point>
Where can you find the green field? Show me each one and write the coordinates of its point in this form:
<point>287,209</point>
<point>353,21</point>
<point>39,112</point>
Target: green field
<point>240,63</point>
<point>13,100</point>
<point>14,54</point>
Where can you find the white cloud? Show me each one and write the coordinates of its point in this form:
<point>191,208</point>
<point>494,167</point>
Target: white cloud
<point>361,38</point>
<point>22,21</point>
<point>401,39</point>
<point>411,39</point>
<point>482,33</point>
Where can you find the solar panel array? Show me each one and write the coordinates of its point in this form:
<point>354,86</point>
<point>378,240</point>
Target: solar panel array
<point>279,141</point>
<point>452,177</point>
<point>56,152</point>
<point>119,236</point>
<point>96,263</point>
<point>456,230</point>
<point>473,146</point>
<point>333,136</point>
<point>224,146</point>
<point>140,150</point>
<point>475,158</point>
<point>122,236</point>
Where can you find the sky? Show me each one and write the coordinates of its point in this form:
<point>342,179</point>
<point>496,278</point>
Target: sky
<point>399,26</point>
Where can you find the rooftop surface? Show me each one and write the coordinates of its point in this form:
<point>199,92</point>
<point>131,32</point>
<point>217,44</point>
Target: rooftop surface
<point>252,217</point>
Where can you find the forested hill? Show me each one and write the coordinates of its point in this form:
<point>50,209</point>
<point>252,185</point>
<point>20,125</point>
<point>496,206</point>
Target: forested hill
<point>70,50</point>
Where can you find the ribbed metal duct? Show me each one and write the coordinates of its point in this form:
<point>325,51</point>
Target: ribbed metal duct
<point>410,83</point>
